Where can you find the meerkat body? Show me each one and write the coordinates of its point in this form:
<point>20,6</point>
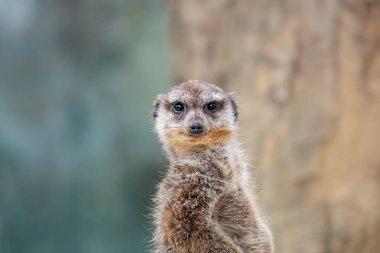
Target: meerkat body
<point>204,203</point>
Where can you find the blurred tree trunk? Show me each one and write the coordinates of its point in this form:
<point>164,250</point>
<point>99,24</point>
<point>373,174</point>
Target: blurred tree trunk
<point>307,75</point>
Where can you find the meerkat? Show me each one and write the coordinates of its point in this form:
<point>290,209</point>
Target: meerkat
<point>204,204</point>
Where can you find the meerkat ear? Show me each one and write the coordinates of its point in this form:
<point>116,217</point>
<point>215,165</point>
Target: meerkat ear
<point>156,106</point>
<point>234,105</point>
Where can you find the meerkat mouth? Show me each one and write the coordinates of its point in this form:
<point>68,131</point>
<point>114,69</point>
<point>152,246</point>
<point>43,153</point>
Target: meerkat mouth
<point>213,134</point>
<point>195,137</point>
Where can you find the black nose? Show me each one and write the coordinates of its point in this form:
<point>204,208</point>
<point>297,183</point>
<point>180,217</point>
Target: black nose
<point>196,127</point>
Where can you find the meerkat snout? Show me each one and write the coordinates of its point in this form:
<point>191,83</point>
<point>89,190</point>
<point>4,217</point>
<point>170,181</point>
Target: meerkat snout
<point>196,127</point>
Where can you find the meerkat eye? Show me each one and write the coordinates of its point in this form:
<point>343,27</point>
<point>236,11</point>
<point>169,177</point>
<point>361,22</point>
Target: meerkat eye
<point>178,107</point>
<point>212,106</point>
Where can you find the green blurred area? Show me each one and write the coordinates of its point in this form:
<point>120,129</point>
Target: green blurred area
<point>78,157</point>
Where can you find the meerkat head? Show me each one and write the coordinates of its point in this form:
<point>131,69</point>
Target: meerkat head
<point>194,113</point>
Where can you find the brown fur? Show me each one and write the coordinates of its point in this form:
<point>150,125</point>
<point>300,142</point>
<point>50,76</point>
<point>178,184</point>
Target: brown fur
<point>204,203</point>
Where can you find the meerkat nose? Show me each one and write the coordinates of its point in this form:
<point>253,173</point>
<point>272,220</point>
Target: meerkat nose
<point>196,127</point>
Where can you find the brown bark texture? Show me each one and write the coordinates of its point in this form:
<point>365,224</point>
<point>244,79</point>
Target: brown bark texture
<point>307,77</point>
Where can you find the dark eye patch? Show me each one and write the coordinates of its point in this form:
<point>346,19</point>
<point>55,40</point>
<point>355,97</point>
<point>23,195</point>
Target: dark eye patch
<point>212,106</point>
<point>178,107</point>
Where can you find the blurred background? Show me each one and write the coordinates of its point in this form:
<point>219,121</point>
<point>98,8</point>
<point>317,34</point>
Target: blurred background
<point>78,158</point>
